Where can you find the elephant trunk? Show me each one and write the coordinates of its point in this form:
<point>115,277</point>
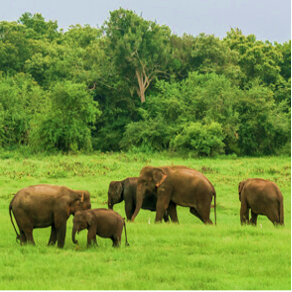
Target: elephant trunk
<point>74,230</point>
<point>138,204</point>
<point>110,205</point>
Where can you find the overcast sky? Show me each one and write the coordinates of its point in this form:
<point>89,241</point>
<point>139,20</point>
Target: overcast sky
<point>266,19</point>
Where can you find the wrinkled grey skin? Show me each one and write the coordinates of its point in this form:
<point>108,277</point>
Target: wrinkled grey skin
<point>46,205</point>
<point>176,185</point>
<point>263,197</point>
<point>102,222</point>
<point>125,190</point>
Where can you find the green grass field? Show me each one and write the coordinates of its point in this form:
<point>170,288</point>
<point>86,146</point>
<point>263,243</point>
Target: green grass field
<point>188,256</point>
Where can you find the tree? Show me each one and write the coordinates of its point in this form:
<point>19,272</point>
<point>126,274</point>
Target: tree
<point>38,28</point>
<point>21,100</point>
<point>139,49</point>
<point>257,59</point>
<point>68,122</point>
<point>285,65</point>
<point>15,47</point>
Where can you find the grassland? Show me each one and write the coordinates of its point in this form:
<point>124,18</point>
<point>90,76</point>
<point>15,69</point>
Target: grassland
<point>163,256</point>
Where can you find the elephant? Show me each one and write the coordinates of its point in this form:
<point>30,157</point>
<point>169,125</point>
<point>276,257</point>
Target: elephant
<point>105,223</point>
<point>176,185</point>
<point>125,190</point>
<point>263,197</point>
<point>45,205</point>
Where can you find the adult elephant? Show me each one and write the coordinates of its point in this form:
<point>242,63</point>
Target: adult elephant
<point>46,205</point>
<point>125,190</point>
<point>179,185</point>
<point>263,197</point>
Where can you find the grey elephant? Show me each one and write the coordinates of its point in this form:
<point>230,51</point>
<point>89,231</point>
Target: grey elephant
<point>263,197</point>
<point>176,185</point>
<point>46,205</point>
<point>125,190</point>
<point>102,222</point>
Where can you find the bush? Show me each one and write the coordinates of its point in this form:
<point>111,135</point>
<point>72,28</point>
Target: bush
<point>152,134</point>
<point>202,139</point>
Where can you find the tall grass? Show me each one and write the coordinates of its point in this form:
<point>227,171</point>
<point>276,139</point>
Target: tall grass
<point>188,255</point>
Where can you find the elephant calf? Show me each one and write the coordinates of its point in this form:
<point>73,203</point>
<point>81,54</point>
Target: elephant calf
<point>102,222</point>
<point>263,197</point>
<point>46,205</point>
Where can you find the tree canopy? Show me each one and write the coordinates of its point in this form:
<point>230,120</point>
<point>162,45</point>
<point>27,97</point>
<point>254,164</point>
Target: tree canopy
<point>133,85</point>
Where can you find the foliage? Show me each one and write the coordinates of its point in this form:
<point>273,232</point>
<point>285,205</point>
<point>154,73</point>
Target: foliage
<point>261,122</point>
<point>135,85</point>
<point>203,139</point>
<point>246,121</point>
<point>257,59</point>
<point>21,100</point>
<point>139,48</point>
<point>67,123</point>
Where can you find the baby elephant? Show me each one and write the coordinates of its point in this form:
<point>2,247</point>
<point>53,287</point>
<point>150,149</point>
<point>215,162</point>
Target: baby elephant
<point>102,222</point>
<point>263,197</point>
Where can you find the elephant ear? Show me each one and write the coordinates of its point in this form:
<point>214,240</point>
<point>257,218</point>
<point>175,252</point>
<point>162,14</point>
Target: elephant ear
<point>89,218</point>
<point>159,176</point>
<point>240,186</point>
<point>119,188</point>
<point>79,197</point>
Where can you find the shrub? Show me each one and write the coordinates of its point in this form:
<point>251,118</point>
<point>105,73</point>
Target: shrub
<point>202,139</point>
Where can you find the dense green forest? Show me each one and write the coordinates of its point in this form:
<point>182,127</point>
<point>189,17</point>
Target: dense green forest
<point>133,85</point>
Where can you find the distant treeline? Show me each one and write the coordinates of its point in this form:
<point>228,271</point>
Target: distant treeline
<point>133,85</point>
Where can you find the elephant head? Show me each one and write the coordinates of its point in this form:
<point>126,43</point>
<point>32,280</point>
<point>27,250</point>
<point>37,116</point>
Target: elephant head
<point>82,220</point>
<point>148,182</point>
<point>81,201</point>
<point>78,201</point>
<point>240,187</point>
<point>115,193</point>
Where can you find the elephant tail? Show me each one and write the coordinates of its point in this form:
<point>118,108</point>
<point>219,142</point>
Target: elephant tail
<point>281,210</point>
<point>215,207</point>
<point>214,194</point>
<point>10,211</point>
<point>127,244</point>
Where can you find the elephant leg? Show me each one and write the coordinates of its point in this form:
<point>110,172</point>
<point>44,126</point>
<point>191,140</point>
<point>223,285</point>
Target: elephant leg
<point>204,211</point>
<point>61,234</point>
<point>244,213</point>
<point>161,206</point>
<point>25,228</point>
<point>23,239</point>
<point>204,219</point>
<point>129,210</point>
<point>29,236</point>
<point>203,216</point>
<point>273,215</point>
<point>94,241</point>
<point>254,218</point>
<point>116,241</point>
<point>195,212</point>
<point>172,212</point>
<point>165,217</point>
<point>53,237</point>
<point>91,235</point>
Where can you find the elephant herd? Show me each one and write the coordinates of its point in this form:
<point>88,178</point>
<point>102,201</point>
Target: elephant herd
<point>158,189</point>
